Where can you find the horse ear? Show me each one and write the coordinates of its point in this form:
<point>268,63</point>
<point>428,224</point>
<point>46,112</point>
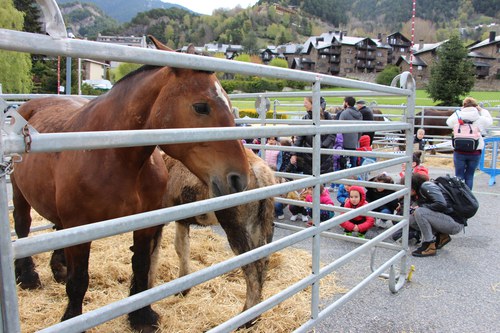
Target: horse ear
<point>159,45</point>
<point>191,49</point>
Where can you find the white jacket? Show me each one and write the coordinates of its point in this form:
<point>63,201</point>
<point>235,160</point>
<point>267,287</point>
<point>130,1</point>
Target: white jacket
<point>479,117</point>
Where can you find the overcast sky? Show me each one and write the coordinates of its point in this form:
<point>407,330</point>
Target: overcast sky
<point>207,6</point>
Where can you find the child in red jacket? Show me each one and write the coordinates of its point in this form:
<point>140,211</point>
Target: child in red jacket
<point>360,224</point>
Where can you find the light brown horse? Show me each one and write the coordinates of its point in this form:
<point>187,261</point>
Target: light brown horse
<point>74,188</point>
<point>247,226</point>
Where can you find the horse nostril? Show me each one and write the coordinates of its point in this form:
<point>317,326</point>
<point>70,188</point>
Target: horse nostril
<point>237,183</point>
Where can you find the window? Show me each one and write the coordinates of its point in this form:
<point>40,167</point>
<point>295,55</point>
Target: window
<point>379,54</point>
<point>402,50</point>
<point>420,68</point>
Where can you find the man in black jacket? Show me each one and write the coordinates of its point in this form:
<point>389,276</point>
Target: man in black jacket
<point>367,114</point>
<point>432,215</point>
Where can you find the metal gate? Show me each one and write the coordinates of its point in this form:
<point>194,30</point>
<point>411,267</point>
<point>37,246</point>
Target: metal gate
<point>12,143</point>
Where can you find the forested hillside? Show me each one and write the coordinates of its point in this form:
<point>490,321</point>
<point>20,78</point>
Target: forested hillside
<point>265,24</point>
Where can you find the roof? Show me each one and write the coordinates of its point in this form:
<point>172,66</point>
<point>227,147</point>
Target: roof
<point>476,54</point>
<point>481,64</point>
<point>416,61</point>
<point>427,47</point>
<point>486,42</point>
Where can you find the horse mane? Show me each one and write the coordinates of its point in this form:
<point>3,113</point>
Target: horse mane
<point>143,68</point>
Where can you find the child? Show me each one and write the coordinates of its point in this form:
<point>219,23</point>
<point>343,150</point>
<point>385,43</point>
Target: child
<point>373,194</point>
<point>416,166</point>
<point>273,158</point>
<point>278,206</point>
<point>285,155</point>
<point>324,199</point>
<point>359,224</point>
<point>343,191</point>
<point>364,145</point>
<point>296,210</point>
<point>419,139</point>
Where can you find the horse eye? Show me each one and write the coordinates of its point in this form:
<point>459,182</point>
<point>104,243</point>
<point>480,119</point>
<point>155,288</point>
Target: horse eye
<point>201,108</point>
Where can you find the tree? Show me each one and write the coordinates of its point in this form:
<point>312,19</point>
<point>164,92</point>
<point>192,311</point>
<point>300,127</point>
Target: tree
<point>387,75</point>
<point>15,75</point>
<point>452,75</point>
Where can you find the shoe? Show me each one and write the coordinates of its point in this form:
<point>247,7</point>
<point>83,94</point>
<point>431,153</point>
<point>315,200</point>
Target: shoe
<point>360,235</point>
<point>426,250</point>
<point>281,217</point>
<point>305,218</point>
<point>293,218</point>
<point>412,235</point>
<point>347,233</point>
<point>442,240</point>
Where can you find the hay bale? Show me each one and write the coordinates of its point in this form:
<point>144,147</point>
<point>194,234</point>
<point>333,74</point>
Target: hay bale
<point>206,306</point>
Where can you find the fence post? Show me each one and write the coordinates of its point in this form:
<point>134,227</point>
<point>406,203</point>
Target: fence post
<point>9,312</point>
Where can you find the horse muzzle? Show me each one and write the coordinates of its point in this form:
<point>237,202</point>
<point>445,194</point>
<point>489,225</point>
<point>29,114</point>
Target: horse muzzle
<point>233,183</point>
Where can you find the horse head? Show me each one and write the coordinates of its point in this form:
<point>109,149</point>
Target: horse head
<point>194,99</point>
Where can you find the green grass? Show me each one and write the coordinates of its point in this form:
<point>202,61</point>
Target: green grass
<point>422,99</point>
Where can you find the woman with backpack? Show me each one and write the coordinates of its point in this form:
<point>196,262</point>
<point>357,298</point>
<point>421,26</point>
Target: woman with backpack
<point>466,160</point>
<point>432,215</point>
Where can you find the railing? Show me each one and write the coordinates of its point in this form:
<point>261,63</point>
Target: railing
<point>14,143</point>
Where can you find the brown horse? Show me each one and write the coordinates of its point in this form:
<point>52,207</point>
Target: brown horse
<point>443,114</point>
<point>74,188</point>
<point>247,226</point>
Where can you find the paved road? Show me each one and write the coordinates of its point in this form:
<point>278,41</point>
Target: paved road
<point>458,290</point>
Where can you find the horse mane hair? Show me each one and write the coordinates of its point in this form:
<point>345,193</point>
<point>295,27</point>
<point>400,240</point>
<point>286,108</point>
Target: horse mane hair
<point>141,69</point>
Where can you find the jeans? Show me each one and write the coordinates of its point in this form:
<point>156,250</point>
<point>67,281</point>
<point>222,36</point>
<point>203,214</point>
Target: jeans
<point>278,208</point>
<point>465,166</point>
<point>430,222</point>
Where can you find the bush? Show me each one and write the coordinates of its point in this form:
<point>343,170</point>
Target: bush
<point>252,113</point>
<point>387,75</point>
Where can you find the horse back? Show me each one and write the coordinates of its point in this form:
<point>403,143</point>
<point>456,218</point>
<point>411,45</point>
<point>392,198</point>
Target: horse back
<point>50,114</point>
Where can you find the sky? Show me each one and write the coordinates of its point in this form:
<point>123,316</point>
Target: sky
<point>207,6</point>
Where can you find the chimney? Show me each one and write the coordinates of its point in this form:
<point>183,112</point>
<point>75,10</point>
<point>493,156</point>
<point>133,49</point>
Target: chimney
<point>420,44</point>
<point>319,39</point>
<point>379,36</point>
<point>341,35</point>
<point>492,36</point>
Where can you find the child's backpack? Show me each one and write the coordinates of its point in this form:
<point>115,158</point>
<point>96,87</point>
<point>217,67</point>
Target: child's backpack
<point>466,135</point>
<point>459,196</point>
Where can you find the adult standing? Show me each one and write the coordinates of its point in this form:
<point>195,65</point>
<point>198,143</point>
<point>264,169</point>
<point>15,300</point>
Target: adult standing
<point>350,139</point>
<point>367,114</point>
<point>327,141</point>
<point>466,162</point>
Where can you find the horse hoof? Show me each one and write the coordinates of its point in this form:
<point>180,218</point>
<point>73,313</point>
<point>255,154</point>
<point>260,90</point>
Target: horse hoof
<point>29,280</point>
<point>60,275</point>
<point>144,320</point>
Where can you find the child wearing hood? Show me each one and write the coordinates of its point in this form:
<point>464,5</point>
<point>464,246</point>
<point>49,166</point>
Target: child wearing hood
<point>360,224</point>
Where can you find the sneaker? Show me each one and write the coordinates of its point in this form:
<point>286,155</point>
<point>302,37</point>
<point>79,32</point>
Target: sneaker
<point>281,217</point>
<point>293,218</point>
<point>305,218</point>
<point>347,233</point>
<point>426,250</point>
<point>442,240</point>
<point>361,235</point>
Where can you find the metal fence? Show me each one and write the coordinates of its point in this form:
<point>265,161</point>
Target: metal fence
<point>12,143</point>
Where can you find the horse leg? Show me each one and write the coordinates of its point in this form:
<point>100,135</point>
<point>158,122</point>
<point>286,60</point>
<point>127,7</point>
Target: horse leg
<point>58,266</point>
<point>241,241</point>
<point>77,258</point>
<point>182,248</point>
<point>26,276</point>
<point>146,247</point>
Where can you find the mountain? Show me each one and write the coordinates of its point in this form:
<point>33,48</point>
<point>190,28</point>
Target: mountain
<point>124,10</point>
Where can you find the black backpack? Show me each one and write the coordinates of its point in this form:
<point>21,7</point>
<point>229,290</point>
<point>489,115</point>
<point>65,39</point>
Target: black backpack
<point>459,197</point>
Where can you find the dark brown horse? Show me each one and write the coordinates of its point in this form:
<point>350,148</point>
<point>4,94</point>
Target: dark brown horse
<point>426,121</point>
<point>247,226</point>
<point>74,188</point>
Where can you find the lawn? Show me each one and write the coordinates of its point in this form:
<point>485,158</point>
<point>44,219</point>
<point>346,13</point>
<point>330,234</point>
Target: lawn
<point>422,99</point>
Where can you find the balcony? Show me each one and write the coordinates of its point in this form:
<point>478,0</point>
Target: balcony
<point>330,51</point>
<point>335,59</point>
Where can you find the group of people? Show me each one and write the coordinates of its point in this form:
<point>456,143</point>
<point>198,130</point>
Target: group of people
<point>431,218</point>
